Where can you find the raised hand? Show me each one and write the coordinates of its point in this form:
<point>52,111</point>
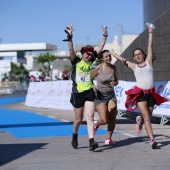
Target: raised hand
<point>104,30</point>
<point>95,88</point>
<point>69,29</point>
<point>112,83</point>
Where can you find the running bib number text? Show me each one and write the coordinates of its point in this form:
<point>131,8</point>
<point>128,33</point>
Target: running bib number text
<point>82,77</point>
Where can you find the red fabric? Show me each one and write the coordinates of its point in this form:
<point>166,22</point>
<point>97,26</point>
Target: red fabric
<point>86,50</point>
<point>135,92</point>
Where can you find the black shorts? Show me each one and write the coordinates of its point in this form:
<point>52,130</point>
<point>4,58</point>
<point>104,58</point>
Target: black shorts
<point>148,98</point>
<point>78,99</point>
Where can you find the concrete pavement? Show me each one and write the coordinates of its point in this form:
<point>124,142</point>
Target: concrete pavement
<point>132,151</point>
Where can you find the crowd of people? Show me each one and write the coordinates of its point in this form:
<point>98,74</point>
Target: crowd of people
<point>87,97</point>
<point>37,77</point>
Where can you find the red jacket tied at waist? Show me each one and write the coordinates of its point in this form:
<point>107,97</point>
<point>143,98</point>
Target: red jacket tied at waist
<point>135,92</point>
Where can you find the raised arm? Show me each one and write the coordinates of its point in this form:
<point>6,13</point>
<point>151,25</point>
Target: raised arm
<point>123,60</point>
<point>95,72</point>
<point>69,31</point>
<point>150,46</point>
<point>103,42</point>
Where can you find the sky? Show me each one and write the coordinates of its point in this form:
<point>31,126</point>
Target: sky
<point>44,21</point>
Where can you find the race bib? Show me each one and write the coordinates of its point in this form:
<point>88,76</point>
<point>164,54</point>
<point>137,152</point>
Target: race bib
<point>82,77</point>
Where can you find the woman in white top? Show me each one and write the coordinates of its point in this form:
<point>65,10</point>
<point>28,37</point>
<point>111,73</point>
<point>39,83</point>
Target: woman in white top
<point>143,72</point>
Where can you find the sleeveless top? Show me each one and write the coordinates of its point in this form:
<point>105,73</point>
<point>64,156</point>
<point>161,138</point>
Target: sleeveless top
<point>81,75</point>
<point>103,80</point>
<point>144,76</point>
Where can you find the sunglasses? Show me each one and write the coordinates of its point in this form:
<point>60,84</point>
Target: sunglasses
<point>90,54</point>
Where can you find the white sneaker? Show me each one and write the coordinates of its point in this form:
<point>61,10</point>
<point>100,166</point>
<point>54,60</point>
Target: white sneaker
<point>109,142</point>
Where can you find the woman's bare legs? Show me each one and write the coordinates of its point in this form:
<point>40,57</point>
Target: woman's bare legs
<point>89,109</point>
<point>150,111</point>
<point>107,114</point>
<point>102,110</point>
<point>112,108</point>
<point>77,121</point>
<point>78,118</point>
<point>143,108</point>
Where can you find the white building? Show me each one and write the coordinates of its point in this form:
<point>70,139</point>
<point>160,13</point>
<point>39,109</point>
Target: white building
<point>12,50</point>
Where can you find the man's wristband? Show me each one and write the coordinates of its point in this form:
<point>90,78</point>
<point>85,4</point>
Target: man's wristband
<point>105,35</point>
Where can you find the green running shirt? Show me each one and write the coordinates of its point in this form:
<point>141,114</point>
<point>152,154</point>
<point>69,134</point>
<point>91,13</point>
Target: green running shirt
<point>81,75</point>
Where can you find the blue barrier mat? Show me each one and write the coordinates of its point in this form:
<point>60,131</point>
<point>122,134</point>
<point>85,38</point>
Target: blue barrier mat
<point>4,101</point>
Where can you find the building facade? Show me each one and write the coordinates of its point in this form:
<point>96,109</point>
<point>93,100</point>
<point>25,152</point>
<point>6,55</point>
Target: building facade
<point>158,13</point>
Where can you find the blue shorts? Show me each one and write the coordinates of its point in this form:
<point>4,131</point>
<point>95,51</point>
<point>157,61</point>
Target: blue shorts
<point>104,97</point>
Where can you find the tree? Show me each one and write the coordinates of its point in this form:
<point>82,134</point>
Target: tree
<point>19,72</point>
<point>46,59</point>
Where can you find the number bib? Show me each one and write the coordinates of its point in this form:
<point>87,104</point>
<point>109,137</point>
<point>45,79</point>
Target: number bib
<point>82,77</point>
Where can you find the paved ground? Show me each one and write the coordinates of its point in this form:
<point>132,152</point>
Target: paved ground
<point>55,153</point>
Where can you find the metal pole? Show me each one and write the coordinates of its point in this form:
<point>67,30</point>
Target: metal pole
<point>121,30</point>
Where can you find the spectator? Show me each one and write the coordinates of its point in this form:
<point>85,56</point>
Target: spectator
<point>66,73</point>
<point>43,76</point>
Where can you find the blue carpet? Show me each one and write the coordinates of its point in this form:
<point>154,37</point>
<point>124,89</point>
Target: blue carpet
<point>23,124</point>
<point>30,125</point>
<point>4,101</point>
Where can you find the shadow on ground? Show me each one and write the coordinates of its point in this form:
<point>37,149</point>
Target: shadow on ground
<point>131,141</point>
<point>10,152</point>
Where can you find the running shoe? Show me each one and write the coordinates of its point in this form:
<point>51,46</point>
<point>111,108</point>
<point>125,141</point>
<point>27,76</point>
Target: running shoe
<point>95,128</point>
<point>154,144</point>
<point>74,141</point>
<point>93,145</point>
<point>109,142</point>
<point>138,125</point>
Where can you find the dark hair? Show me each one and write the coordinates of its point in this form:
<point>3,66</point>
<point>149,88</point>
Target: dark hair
<point>153,57</point>
<point>87,46</point>
<point>101,54</point>
<point>141,51</point>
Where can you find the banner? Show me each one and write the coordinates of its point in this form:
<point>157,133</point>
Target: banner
<point>56,94</point>
<point>163,88</point>
<point>5,66</point>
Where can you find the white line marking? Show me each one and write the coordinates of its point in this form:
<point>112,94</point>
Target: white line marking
<point>63,120</point>
<point>128,134</point>
<point>52,117</point>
